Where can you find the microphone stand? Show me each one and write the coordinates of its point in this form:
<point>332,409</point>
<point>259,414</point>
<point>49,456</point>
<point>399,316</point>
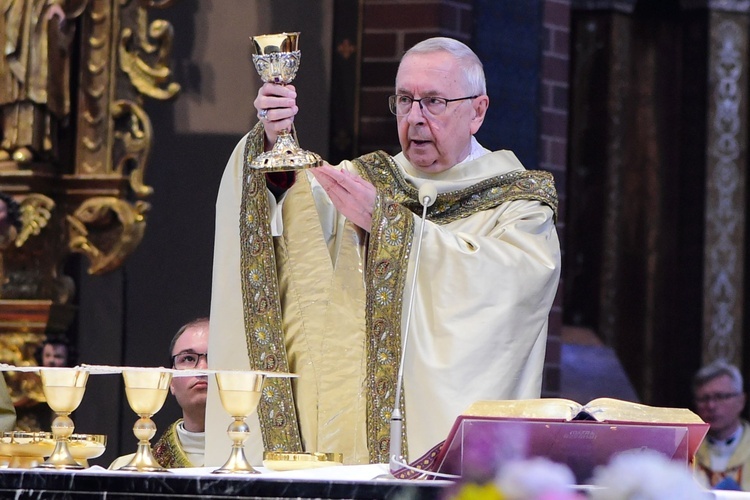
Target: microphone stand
<point>427,196</point>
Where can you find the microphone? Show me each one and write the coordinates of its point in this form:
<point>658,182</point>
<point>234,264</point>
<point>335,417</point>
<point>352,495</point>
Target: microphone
<point>427,196</point>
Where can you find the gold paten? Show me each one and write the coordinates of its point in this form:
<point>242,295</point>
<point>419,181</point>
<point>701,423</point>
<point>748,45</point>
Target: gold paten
<point>277,59</point>
<point>281,461</point>
<point>28,449</point>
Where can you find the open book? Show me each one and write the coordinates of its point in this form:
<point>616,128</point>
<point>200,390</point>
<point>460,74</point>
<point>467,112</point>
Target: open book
<point>601,410</point>
<point>582,436</point>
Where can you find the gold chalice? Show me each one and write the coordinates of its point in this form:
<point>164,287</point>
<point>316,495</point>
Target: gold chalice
<point>240,393</point>
<point>63,388</point>
<point>146,390</point>
<point>277,59</point>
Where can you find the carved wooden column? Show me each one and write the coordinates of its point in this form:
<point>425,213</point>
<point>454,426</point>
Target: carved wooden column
<point>80,185</point>
<point>720,36</point>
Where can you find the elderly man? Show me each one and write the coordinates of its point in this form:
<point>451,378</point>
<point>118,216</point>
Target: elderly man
<point>719,400</point>
<point>183,443</point>
<point>311,277</point>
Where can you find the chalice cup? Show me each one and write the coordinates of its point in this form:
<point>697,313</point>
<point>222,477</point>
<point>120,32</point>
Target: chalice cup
<point>146,391</point>
<point>64,389</point>
<point>277,59</point>
<point>240,393</point>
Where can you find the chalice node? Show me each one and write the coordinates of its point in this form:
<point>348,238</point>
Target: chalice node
<point>240,393</point>
<point>277,59</point>
<point>64,389</point>
<point>146,390</point>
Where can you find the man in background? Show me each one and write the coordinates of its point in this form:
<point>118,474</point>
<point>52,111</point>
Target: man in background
<point>55,352</point>
<point>183,443</point>
<point>723,459</point>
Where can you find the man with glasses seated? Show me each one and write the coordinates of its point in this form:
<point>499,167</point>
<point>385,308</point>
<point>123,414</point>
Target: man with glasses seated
<point>313,273</point>
<point>723,460</point>
<point>183,443</point>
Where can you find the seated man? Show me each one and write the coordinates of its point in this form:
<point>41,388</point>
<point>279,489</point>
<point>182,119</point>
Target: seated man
<point>183,443</point>
<point>719,400</point>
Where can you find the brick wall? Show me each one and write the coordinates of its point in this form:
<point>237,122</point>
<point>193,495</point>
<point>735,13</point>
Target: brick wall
<point>390,27</point>
<point>553,149</point>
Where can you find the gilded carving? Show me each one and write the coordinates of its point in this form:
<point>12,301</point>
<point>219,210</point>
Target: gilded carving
<point>105,250</point>
<point>36,211</point>
<point>725,192</point>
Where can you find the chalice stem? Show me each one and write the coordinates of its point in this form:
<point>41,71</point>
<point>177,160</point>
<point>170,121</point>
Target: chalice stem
<point>62,429</point>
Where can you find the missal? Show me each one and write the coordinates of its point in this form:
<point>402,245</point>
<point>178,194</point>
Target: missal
<point>581,436</point>
<point>600,410</point>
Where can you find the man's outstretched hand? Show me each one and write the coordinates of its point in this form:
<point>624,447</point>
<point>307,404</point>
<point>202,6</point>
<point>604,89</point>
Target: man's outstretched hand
<point>353,196</point>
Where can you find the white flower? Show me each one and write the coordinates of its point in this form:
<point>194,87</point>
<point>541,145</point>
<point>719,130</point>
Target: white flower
<point>645,475</point>
<point>535,478</point>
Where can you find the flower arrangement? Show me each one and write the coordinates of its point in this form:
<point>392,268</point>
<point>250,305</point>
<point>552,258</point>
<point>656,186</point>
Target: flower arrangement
<point>637,474</point>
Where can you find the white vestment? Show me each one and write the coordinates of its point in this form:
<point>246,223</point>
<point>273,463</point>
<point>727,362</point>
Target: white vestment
<point>486,284</point>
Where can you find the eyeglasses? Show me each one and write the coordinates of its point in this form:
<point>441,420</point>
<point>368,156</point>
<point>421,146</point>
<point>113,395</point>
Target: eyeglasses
<point>719,397</point>
<point>188,360</point>
<point>400,105</point>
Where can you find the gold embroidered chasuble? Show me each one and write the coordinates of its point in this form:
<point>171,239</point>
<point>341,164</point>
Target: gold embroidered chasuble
<point>303,310</point>
<point>168,452</point>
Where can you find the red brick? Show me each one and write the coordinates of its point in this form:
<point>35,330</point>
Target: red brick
<point>402,16</point>
<point>554,124</point>
<point>560,42</point>
<point>380,45</point>
<point>379,74</point>
<point>557,13</point>
<point>555,68</point>
<point>374,103</point>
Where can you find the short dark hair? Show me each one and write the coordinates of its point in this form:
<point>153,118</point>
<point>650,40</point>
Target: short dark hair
<point>195,322</point>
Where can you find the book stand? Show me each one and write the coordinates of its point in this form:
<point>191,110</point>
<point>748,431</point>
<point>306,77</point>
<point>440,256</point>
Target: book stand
<point>580,444</point>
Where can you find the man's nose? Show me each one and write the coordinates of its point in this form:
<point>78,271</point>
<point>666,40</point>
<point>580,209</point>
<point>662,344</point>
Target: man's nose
<point>203,362</point>
<point>416,113</point>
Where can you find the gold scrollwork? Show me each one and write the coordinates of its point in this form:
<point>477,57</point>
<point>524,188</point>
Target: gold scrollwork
<point>36,211</point>
<point>136,139</point>
<point>149,79</point>
<point>106,230</point>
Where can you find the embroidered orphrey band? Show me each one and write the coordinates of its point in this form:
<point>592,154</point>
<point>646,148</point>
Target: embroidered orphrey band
<point>262,308</point>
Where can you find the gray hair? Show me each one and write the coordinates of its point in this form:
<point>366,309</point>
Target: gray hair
<point>717,369</point>
<point>467,60</point>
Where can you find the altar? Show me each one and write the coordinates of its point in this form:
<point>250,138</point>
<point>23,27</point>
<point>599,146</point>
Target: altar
<point>356,482</point>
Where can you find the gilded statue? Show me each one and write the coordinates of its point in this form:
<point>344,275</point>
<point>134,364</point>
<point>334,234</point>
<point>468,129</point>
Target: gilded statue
<point>36,37</point>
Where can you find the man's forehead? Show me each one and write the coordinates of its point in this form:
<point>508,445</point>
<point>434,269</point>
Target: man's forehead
<point>719,381</point>
<point>194,335</point>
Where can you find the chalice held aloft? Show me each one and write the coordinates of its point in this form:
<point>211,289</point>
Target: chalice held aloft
<point>277,59</point>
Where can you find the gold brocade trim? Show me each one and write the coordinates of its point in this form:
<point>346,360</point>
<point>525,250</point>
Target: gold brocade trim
<point>168,451</point>
<point>387,262</point>
<point>262,307</point>
<point>535,185</point>
<point>387,258</point>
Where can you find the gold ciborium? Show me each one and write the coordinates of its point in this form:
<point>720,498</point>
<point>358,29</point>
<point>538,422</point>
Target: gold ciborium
<point>146,390</point>
<point>240,394</point>
<point>277,59</point>
<point>63,388</point>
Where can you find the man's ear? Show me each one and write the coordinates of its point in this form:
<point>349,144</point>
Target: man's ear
<point>480,105</point>
<point>171,389</point>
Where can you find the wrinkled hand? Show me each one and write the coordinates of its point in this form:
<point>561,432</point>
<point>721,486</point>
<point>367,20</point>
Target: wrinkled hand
<point>276,106</point>
<point>353,196</point>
